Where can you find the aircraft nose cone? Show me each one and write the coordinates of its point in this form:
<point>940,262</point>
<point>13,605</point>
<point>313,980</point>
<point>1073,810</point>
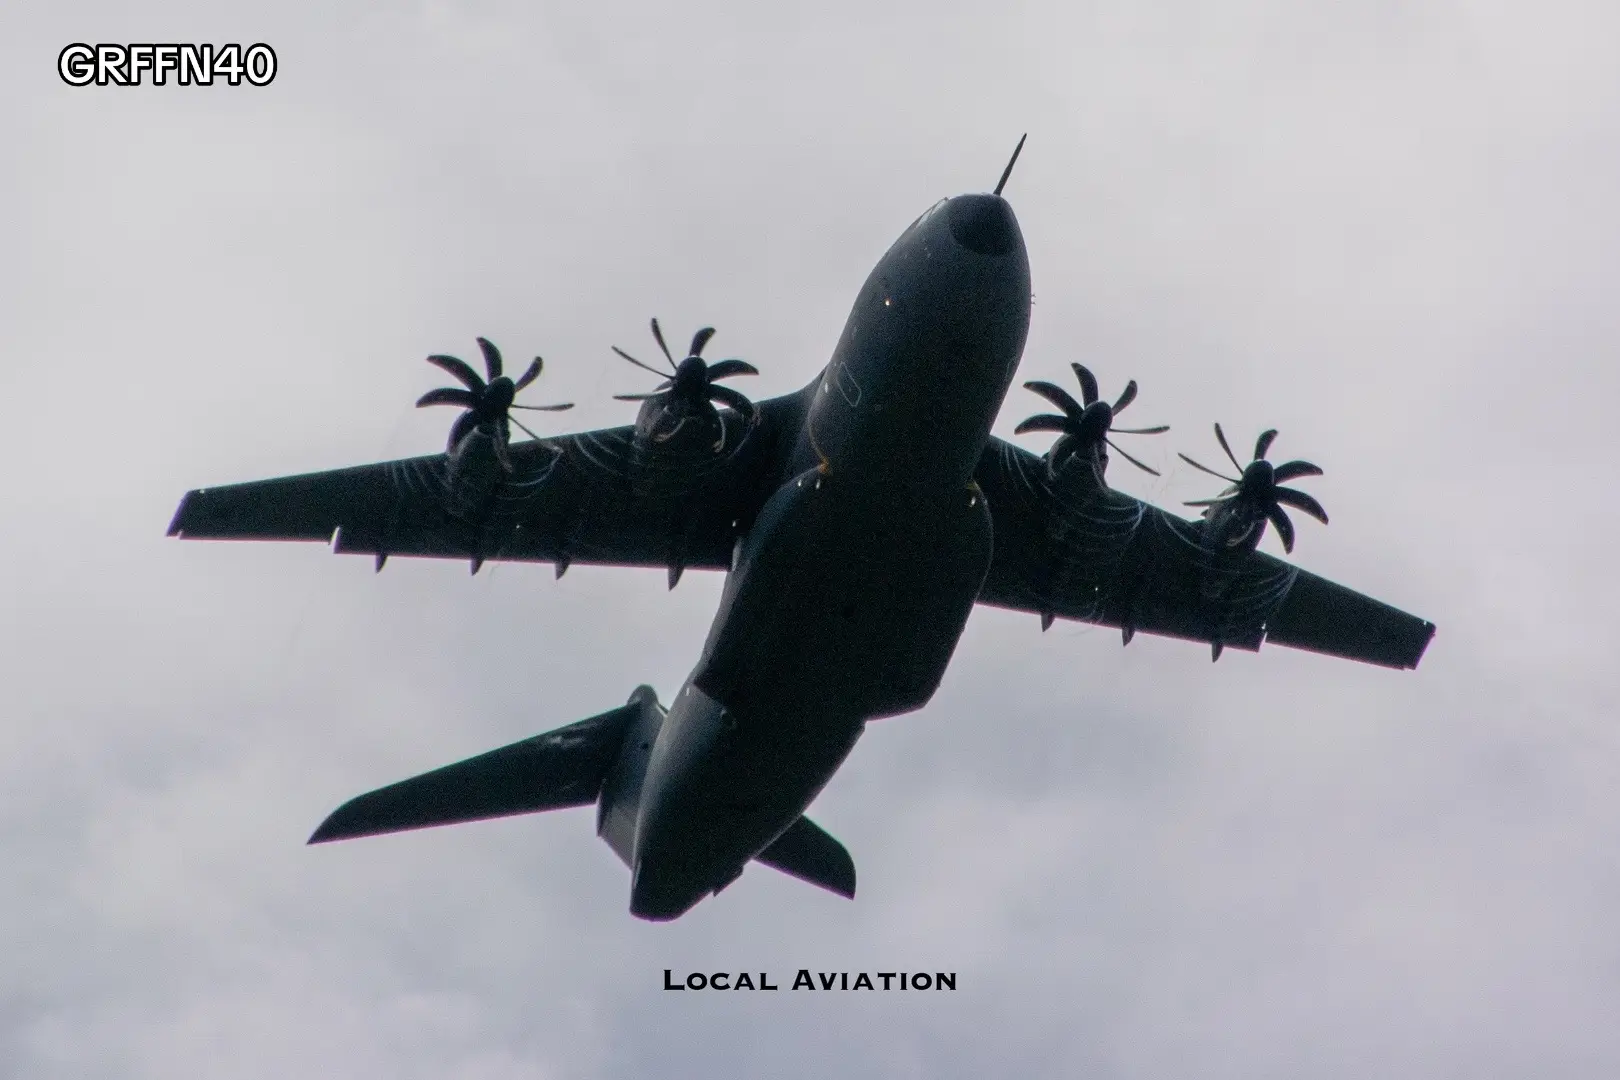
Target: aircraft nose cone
<point>983,224</point>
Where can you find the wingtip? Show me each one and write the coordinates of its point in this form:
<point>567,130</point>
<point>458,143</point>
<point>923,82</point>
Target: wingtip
<point>333,827</point>
<point>1423,646</point>
<point>179,514</point>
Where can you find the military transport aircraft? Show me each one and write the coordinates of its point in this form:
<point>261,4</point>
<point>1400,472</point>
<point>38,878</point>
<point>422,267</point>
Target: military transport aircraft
<point>858,520</point>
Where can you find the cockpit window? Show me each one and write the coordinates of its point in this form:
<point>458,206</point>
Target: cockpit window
<point>928,213</point>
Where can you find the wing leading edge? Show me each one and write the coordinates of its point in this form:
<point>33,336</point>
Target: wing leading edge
<point>1097,555</point>
<point>593,497</point>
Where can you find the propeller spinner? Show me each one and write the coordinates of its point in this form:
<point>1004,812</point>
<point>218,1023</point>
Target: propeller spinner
<point>1255,497</point>
<point>488,404</point>
<point>1084,425</point>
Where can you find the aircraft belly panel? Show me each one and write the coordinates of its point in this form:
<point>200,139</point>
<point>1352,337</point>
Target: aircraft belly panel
<point>846,601</point>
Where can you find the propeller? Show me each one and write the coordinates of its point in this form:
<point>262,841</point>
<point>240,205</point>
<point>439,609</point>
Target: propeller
<point>690,388</point>
<point>488,404</point>
<point>1255,496</point>
<point>1084,427</point>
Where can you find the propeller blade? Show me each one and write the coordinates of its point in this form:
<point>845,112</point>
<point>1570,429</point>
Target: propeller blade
<point>1160,430</point>
<point>1205,468</point>
<point>492,358</point>
<point>636,397</point>
<point>1057,396</point>
<point>1221,435</point>
<point>1301,501</point>
<point>1285,528</point>
<point>1204,502</point>
<point>545,408</point>
<point>1293,470</point>
<point>1263,443</point>
<point>700,339</point>
<point>726,369</point>
<point>638,363</point>
<point>525,428</point>
<point>460,430</point>
<point>448,395</point>
<point>503,435</point>
<point>1043,422</point>
<point>459,370</point>
<point>529,376</point>
<point>658,335</point>
<point>1088,383</point>
<point>1125,398</point>
<point>1133,461</point>
<point>725,395</point>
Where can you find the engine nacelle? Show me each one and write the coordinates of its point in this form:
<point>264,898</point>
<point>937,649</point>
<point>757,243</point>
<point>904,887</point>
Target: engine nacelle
<point>1079,474</point>
<point>1237,591</point>
<point>473,470</point>
<point>670,427</point>
<point>676,450</point>
<point>1232,529</point>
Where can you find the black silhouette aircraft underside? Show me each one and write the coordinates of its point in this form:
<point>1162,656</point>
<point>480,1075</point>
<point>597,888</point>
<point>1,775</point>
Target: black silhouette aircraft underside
<point>859,519</point>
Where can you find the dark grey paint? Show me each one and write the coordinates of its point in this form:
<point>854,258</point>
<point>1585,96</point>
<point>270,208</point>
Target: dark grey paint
<point>860,519</point>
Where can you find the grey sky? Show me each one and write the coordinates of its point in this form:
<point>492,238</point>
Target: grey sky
<point>1389,230</point>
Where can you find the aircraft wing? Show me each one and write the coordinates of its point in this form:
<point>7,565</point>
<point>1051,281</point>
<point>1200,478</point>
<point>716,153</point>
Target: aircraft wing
<point>1100,556</point>
<point>585,498</point>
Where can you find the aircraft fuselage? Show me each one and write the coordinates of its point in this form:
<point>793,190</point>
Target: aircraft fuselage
<point>848,593</point>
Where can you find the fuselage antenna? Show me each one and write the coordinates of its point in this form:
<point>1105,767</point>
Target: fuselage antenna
<point>1008,170</point>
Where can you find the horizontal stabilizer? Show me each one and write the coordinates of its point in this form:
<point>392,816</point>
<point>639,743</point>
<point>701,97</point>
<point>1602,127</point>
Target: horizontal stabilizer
<point>808,853</point>
<point>561,768</point>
